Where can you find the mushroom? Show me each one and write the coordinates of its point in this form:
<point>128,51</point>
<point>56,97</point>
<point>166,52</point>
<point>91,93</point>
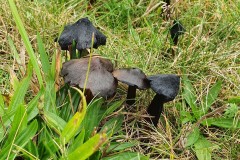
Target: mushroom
<point>166,87</point>
<point>134,78</point>
<point>176,30</point>
<point>81,32</point>
<point>100,82</point>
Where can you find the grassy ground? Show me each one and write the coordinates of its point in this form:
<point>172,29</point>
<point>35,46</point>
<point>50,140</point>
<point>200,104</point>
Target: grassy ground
<point>137,36</point>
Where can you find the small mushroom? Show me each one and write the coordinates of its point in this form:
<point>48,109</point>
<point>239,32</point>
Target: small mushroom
<point>134,78</point>
<point>100,82</point>
<point>176,30</point>
<point>81,32</point>
<point>166,87</point>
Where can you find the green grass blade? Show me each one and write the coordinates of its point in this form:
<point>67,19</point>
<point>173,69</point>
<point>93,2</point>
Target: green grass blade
<point>91,121</point>
<point>19,123</point>
<point>43,56</point>
<point>72,127</point>
<point>26,41</point>
<point>77,141</point>
<point>54,121</point>
<point>127,156</point>
<point>211,96</point>
<point>190,96</point>
<point>20,92</point>
<point>2,106</point>
<point>88,148</point>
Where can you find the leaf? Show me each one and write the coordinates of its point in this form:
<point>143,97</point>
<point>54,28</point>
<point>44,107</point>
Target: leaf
<point>116,146</point>
<point>19,123</point>
<point>231,111</point>
<point>189,96</point>
<point>2,106</point>
<point>92,118</point>
<point>24,137</point>
<point>26,41</point>
<point>16,55</point>
<point>27,134</point>
<point>32,106</point>
<point>19,93</point>
<point>43,56</point>
<point>211,96</point>
<point>88,148</point>
<point>193,137</point>
<point>113,125</point>
<point>113,107</point>
<point>234,100</point>
<point>72,127</point>
<point>77,141</point>
<point>54,121</point>
<point>203,150</point>
<point>223,122</point>
<point>186,117</point>
<point>127,156</point>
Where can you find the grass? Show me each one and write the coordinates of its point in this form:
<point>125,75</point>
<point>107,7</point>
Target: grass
<point>137,36</point>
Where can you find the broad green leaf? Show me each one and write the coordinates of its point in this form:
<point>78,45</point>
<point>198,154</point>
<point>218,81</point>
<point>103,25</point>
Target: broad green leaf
<point>113,125</point>
<point>120,146</point>
<point>190,96</point>
<point>14,50</point>
<point>186,117</point>
<point>88,148</point>
<point>50,96</point>
<point>19,123</point>
<point>77,141</point>
<point>192,137</point>
<point>27,134</point>
<point>32,106</point>
<point>231,111</point>
<point>43,56</point>
<point>72,127</point>
<point>203,149</point>
<point>234,99</point>
<point>1,133</point>
<point>32,148</point>
<point>26,41</point>
<point>211,96</point>
<point>92,118</point>
<point>54,121</point>
<point>223,122</point>
<point>127,156</point>
<point>113,107</point>
<point>19,94</point>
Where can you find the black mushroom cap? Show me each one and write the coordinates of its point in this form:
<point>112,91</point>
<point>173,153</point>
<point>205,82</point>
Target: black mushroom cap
<point>81,32</point>
<point>100,80</point>
<point>132,77</point>
<point>176,30</point>
<point>166,85</point>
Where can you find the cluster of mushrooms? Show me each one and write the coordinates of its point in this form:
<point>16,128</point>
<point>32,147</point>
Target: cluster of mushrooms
<point>103,78</point>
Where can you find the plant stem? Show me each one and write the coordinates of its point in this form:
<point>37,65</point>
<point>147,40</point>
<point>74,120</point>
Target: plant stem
<point>155,109</point>
<point>131,95</point>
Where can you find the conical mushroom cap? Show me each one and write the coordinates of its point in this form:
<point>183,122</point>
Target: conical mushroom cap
<point>177,29</point>
<point>132,77</point>
<point>81,32</point>
<point>166,85</point>
<point>100,80</point>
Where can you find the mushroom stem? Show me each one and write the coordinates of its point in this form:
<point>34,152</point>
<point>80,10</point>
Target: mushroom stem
<point>155,109</point>
<point>131,95</point>
<point>175,40</point>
